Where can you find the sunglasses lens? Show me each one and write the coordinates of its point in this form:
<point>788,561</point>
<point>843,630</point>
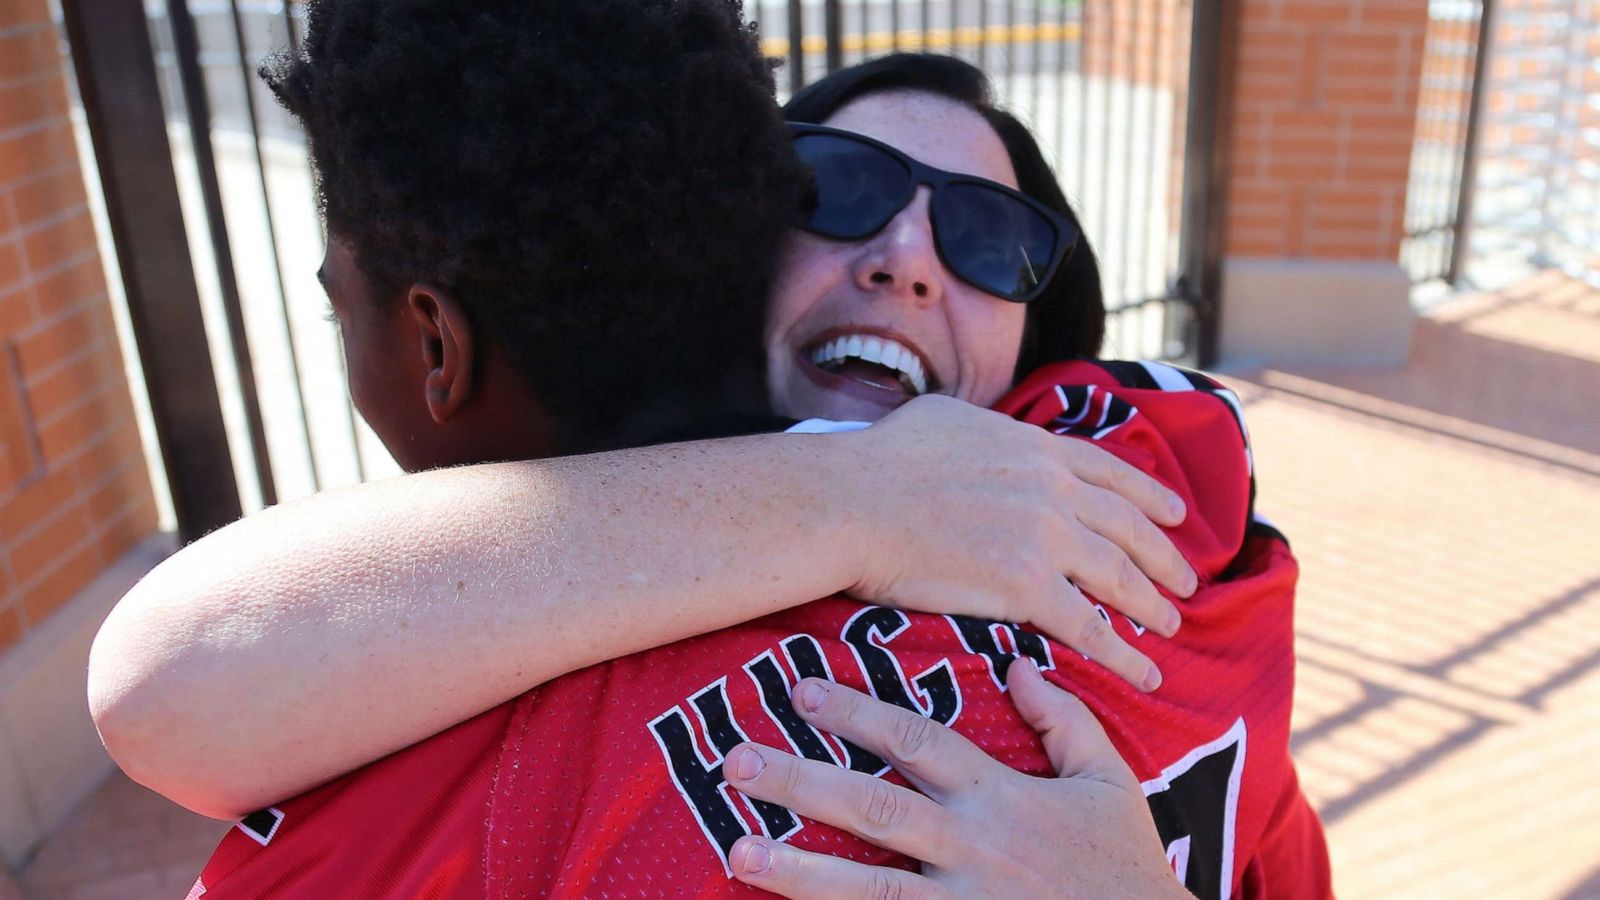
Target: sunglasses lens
<point>993,240</point>
<point>858,188</point>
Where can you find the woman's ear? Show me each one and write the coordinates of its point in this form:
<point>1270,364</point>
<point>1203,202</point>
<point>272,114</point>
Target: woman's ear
<point>447,349</point>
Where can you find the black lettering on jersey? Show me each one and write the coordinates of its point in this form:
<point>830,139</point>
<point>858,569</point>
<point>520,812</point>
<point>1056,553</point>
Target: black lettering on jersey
<point>939,697</point>
<point>807,661</point>
<point>1000,643</point>
<point>262,825</point>
<point>716,714</point>
<point>1090,412</point>
<point>1195,803</point>
<point>701,782</point>
<point>775,689</point>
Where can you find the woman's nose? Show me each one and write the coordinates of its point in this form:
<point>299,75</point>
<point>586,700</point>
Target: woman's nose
<point>903,259</point>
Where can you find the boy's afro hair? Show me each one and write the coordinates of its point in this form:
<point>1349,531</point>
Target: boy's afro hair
<point>603,184</point>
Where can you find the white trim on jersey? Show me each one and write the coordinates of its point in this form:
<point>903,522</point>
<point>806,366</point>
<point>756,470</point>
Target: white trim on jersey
<point>258,837</point>
<point>1168,377</point>
<point>1133,412</point>
<point>1236,735</point>
<point>1232,399</point>
<point>1173,378</point>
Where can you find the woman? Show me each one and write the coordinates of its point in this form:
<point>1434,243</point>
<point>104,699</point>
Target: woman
<point>962,339</point>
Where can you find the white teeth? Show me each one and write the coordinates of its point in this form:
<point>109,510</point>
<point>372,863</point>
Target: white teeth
<point>872,350</point>
<point>891,356</point>
<point>882,351</point>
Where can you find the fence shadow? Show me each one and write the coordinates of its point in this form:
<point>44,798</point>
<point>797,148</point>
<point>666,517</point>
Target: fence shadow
<point>1525,362</point>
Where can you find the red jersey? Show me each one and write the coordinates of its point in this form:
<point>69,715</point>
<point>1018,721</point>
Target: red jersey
<point>609,780</point>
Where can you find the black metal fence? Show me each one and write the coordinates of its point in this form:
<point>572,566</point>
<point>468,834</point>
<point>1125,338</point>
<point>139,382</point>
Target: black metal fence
<point>1444,158</point>
<point>1538,186</point>
<point>1121,106</point>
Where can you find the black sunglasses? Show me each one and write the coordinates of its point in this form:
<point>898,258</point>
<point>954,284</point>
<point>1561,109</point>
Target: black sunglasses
<point>993,237</point>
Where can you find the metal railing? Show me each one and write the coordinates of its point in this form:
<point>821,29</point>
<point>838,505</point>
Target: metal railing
<point>1517,144</point>
<point>1539,184</point>
<point>1109,87</point>
<point>1444,161</point>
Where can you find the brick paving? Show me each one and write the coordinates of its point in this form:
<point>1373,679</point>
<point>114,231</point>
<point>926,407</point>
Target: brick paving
<point>1447,518</point>
<point>1448,521</point>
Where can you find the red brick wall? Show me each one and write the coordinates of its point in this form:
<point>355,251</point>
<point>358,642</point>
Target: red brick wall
<point>74,494</point>
<point>1323,127</point>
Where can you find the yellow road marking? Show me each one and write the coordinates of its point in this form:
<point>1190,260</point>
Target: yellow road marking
<point>933,39</point>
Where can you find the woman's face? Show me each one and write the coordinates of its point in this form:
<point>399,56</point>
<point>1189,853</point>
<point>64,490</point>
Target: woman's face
<point>891,290</point>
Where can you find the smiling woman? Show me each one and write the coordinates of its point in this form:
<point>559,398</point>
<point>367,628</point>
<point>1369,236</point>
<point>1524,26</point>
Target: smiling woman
<point>867,302</point>
<point>923,269</point>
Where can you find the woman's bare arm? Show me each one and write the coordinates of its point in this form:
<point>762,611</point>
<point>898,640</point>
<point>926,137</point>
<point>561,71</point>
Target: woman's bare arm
<point>317,636</point>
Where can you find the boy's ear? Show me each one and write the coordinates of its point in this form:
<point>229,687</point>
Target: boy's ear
<point>447,349</point>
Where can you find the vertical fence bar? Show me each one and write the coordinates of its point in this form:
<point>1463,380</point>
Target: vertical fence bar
<point>1061,91</point>
<point>833,29</point>
<point>1469,160</point>
<point>894,26</point>
<point>122,102</point>
<point>1213,50</point>
<point>248,79</point>
<point>866,29</point>
<point>1131,281</point>
<point>1010,49</point>
<point>797,51</point>
<point>288,24</point>
<point>1083,106</point>
<point>1161,50</point>
<point>1035,48</point>
<point>983,40</point>
<point>197,106</point>
<point>1108,79</point>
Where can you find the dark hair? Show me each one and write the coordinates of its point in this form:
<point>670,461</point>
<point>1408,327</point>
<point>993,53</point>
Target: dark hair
<point>1069,319</point>
<point>603,185</point>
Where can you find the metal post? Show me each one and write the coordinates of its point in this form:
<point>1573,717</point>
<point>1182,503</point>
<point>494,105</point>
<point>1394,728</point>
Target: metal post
<point>1208,146</point>
<point>833,28</point>
<point>1469,156</point>
<point>797,51</point>
<point>247,82</point>
<point>186,48</point>
<point>117,80</point>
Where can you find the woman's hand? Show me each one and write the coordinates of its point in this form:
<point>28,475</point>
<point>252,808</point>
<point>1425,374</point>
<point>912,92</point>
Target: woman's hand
<point>978,827</point>
<point>964,510</point>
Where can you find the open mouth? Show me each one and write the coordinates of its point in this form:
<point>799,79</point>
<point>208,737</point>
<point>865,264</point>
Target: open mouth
<point>873,360</point>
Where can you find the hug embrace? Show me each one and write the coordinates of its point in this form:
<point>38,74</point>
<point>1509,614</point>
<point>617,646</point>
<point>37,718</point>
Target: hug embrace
<point>668,364</point>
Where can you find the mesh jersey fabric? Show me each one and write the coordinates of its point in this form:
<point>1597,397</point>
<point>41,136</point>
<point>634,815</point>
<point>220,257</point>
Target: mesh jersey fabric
<point>608,781</point>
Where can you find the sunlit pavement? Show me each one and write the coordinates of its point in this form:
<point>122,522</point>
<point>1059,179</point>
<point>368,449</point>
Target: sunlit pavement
<point>1447,518</point>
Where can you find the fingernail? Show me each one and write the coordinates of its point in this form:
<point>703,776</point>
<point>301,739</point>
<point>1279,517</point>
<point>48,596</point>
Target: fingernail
<point>757,858</point>
<point>1191,583</point>
<point>1174,619</point>
<point>1176,506</point>
<point>1152,679</point>
<point>747,763</point>
<point>1018,663</point>
<point>812,695</point>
